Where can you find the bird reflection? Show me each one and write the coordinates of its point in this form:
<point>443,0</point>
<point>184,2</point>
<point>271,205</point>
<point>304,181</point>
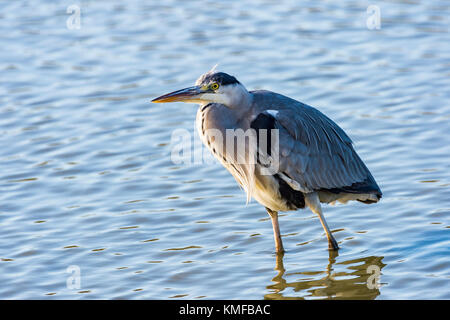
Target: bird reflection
<point>342,280</point>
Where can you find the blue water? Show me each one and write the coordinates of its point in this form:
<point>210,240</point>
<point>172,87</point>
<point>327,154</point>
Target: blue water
<point>86,177</point>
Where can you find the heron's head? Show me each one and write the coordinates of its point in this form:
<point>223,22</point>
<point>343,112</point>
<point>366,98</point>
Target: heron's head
<point>216,87</point>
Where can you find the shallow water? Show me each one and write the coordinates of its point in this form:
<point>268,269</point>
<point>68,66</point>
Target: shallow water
<point>87,183</point>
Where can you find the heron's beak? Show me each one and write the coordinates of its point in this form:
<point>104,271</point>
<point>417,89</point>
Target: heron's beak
<point>190,94</point>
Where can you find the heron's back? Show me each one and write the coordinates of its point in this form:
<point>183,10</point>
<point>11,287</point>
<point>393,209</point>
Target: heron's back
<point>315,153</point>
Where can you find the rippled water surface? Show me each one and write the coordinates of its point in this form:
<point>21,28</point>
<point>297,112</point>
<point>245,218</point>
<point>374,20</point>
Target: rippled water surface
<point>86,176</point>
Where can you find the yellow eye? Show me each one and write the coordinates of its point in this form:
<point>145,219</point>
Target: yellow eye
<point>214,86</point>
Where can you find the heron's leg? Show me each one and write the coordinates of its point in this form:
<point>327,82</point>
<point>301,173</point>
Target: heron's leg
<point>313,202</point>
<point>276,230</point>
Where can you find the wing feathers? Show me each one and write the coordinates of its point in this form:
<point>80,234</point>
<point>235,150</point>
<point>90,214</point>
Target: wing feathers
<point>316,153</point>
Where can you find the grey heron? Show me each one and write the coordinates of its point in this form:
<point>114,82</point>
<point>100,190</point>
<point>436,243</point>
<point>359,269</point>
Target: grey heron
<point>315,159</point>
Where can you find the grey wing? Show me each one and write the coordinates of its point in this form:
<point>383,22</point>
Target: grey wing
<point>314,153</point>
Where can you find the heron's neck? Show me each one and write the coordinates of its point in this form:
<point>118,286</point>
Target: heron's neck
<point>240,101</point>
<point>243,100</point>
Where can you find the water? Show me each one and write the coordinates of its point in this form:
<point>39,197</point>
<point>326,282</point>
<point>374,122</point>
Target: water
<point>87,183</point>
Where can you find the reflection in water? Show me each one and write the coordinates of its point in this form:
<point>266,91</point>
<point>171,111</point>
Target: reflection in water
<point>354,282</point>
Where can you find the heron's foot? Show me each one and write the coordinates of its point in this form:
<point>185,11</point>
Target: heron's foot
<point>332,244</point>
